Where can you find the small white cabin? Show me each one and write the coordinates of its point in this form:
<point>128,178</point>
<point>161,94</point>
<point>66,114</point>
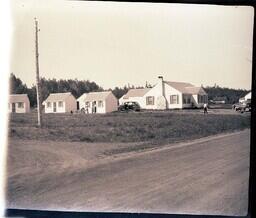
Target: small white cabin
<point>247,97</point>
<point>98,102</point>
<point>167,95</point>
<point>60,103</point>
<point>19,103</point>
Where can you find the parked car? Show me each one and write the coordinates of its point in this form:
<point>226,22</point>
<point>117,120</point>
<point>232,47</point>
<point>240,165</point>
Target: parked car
<point>242,107</point>
<point>129,106</point>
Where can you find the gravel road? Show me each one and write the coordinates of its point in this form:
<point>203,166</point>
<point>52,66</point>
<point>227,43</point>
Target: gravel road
<point>206,176</point>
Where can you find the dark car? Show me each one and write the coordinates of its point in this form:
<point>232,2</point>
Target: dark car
<point>129,106</point>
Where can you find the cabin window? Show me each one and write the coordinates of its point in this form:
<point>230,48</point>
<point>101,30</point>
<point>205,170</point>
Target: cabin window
<point>100,103</point>
<point>49,104</point>
<point>174,99</point>
<point>20,104</point>
<point>87,104</point>
<point>150,100</point>
<point>60,104</point>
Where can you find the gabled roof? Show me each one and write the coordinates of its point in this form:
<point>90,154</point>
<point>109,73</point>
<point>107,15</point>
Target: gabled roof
<point>97,96</point>
<point>195,90</point>
<point>18,98</point>
<point>186,88</point>
<point>58,96</point>
<point>180,86</point>
<point>136,92</point>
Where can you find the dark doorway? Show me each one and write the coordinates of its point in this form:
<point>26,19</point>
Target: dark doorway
<point>13,108</point>
<point>54,107</point>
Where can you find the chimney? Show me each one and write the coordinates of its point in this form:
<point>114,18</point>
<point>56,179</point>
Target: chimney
<point>161,80</point>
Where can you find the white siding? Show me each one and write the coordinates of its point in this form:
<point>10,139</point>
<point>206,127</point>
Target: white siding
<point>111,103</point>
<point>24,109</point>
<point>81,104</point>
<point>67,105</point>
<point>58,109</point>
<point>101,109</point>
<point>70,104</point>
<point>156,91</point>
<point>248,96</point>
<point>171,91</point>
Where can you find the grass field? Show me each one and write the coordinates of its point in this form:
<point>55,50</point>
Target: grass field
<point>154,127</point>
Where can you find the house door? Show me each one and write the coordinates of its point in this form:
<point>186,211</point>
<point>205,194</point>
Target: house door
<point>13,108</point>
<point>94,107</point>
<point>54,107</point>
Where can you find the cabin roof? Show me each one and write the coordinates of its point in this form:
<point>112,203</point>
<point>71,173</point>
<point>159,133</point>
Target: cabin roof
<point>58,96</point>
<point>97,96</point>
<point>18,98</point>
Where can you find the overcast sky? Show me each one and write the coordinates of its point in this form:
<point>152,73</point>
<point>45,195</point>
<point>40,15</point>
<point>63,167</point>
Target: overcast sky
<point>115,44</point>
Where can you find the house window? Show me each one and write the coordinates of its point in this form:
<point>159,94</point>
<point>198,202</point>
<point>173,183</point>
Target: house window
<point>189,100</point>
<point>202,99</point>
<point>87,104</point>
<point>60,104</point>
<point>150,100</point>
<point>186,99</point>
<point>20,104</point>
<point>49,104</point>
<point>174,99</point>
<point>100,103</point>
<point>205,98</point>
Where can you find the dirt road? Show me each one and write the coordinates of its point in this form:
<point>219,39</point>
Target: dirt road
<point>208,176</point>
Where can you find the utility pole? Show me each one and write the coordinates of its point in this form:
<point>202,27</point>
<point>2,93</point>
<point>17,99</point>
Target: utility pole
<point>38,85</point>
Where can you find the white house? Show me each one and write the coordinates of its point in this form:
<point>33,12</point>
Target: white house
<point>60,103</point>
<point>19,103</point>
<point>98,102</point>
<point>247,97</point>
<point>167,95</point>
<point>137,95</point>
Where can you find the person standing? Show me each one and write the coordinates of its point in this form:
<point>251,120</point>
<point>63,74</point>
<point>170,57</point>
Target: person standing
<point>205,108</point>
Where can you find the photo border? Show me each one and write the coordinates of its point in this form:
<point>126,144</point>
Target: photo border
<point>252,186</point>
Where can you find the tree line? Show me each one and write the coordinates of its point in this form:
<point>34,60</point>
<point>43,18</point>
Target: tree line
<point>78,87</point>
<point>231,96</point>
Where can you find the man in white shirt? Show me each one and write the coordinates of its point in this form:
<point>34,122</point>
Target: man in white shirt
<point>205,108</point>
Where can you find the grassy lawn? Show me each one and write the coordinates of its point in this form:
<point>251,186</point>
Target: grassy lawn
<point>155,127</point>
